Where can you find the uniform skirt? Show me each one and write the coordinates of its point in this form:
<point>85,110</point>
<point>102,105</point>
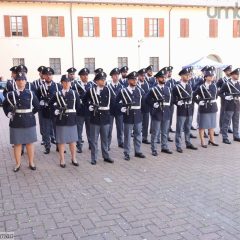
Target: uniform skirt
<point>23,135</point>
<point>207,120</point>
<point>66,134</point>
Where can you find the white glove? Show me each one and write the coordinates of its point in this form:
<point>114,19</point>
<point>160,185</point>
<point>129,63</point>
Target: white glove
<point>10,115</point>
<point>42,103</point>
<point>201,103</point>
<point>156,105</point>
<point>123,109</point>
<point>180,103</point>
<point>57,112</point>
<point>229,98</point>
<point>91,108</point>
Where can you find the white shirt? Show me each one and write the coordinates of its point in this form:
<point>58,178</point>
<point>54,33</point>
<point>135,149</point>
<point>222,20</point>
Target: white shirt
<point>131,89</point>
<point>64,91</point>
<point>98,90</point>
<point>183,84</point>
<point>114,84</point>
<point>207,85</point>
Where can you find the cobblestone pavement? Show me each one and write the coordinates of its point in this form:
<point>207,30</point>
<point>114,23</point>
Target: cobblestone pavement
<point>194,195</point>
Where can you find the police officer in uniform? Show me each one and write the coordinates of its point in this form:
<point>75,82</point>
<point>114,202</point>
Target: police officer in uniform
<point>220,83</point>
<point>182,97</point>
<point>83,114</point>
<point>11,84</point>
<point>20,106</point>
<point>144,86</point>
<point>45,92</point>
<point>115,109</point>
<point>149,76</point>
<point>231,92</point>
<point>124,72</point>
<point>65,104</point>
<point>206,98</point>
<point>131,99</point>
<point>98,99</point>
<point>159,98</point>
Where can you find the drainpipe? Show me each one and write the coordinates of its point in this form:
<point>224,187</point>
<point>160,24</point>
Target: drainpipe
<point>169,37</point>
<point>71,27</point>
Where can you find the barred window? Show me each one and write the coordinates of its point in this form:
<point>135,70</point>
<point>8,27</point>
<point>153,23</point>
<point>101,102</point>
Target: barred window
<point>90,64</point>
<point>122,61</point>
<point>153,27</point>
<point>88,27</point>
<point>53,26</point>
<point>55,64</point>
<point>121,27</point>
<point>155,62</point>
<point>18,61</point>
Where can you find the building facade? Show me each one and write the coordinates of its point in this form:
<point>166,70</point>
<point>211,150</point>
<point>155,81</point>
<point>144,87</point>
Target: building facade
<point>107,34</point>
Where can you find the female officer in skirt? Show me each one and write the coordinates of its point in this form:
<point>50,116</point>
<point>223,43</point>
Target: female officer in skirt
<point>20,106</point>
<point>64,104</point>
<point>206,96</point>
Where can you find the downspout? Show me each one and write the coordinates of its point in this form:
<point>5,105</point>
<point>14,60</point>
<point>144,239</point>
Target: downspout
<point>71,27</point>
<point>169,37</point>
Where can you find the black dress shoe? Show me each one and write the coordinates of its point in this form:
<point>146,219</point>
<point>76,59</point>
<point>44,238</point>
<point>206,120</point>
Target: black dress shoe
<point>82,141</point>
<point>179,150</point>
<point>226,141</point>
<point>236,139</point>
<point>75,163</point>
<point>89,147</point>
<point>216,134</point>
<point>47,151</point>
<point>193,128</point>
<point>192,147</point>
<point>170,140</point>
<point>204,146</point>
<point>154,153</point>
<point>171,130</point>
<point>53,141</point>
<point>93,162</point>
<point>230,131</point>
<point>16,169</point>
<point>79,150</point>
<point>32,167</point>
<point>42,143</point>
<point>109,160</point>
<point>120,145</point>
<point>166,151</point>
<point>192,136</point>
<point>212,143</point>
<point>205,135</point>
<point>62,165</point>
<point>126,157</point>
<point>139,155</point>
<point>145,141</point>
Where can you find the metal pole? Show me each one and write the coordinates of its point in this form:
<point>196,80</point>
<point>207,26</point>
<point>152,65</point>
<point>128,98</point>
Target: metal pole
<point>71,25</point>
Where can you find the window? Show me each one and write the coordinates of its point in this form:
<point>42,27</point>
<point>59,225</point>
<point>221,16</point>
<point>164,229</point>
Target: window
<point>213,28</point>
<point>18,61</point>
<point>55,64</point>
<point>90,64</point>
<point>121,27</point>
<point>53,26</point>
<point>153,27</point>
<point>184,28</point>
<point>16,26</point>
<point>88,27</point>
<point>236,28</point>
<point>122,61</point>
<point>155,62</point>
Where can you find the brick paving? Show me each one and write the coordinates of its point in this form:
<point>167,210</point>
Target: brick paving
<point>194,195</point>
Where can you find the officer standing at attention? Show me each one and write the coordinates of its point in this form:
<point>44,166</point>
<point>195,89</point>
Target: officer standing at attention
<point>20,106</point>
<point>131,99</point>
<point>45,92</point>
<point>149,76</point>
<point>206,96</point>
<point>159,98</point>
<point>115,109</point>
<point>124,73</point>
<point>11,84</point>
<point>231,92</point>
<point>220,83</point>
<point>144,86</point>
<point>98,99</point>
<point>182,97</point>
<point>65,104</point>
<point>83,115</point>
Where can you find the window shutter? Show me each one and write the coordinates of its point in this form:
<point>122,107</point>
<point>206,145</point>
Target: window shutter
<point>146,27</point>
<point>129,27</point>
<point>25,26</point>
<point>213,28</point>
<point>184,28</point>
<point>96,27</point>
<point>61,26</point>
<point>7,26</point>
<point>114,27</point>
<point>44,26</point>
<point>80,26</point>
<point>235,28</point>
<point>161,27</point>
